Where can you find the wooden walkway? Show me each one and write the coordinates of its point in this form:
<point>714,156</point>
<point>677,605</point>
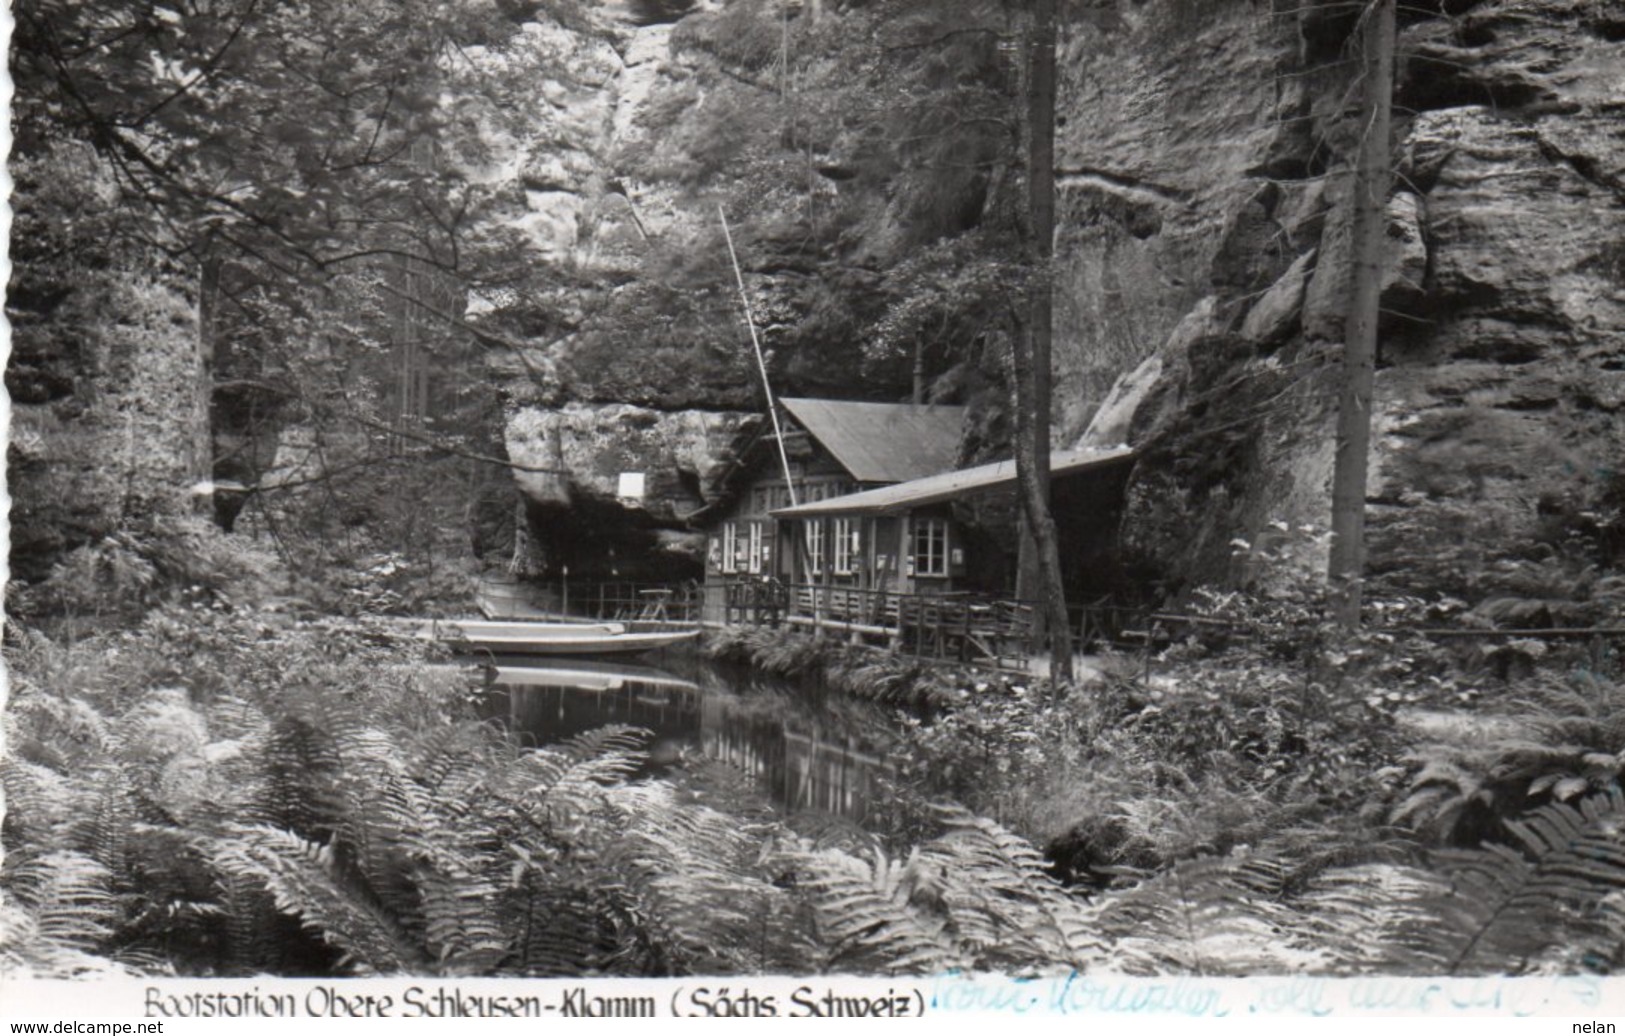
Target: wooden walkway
<point>960,627</point>
<point>987,630</point>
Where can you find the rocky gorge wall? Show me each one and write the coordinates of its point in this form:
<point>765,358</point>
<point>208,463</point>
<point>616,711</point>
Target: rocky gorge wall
<point>1204,213</point>
<point>1201,258</point>
<point>607,171</point>
<point>593,521</point>
<point>575,424</point>
<point>109,407</point>
<point>1203,153</point>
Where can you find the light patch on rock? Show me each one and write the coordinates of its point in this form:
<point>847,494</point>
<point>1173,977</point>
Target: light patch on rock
<point>644,74</point>
<point>553,222</point>
<point>1274,316</point>
<point>1111,423</point>
<point>1405,262</point>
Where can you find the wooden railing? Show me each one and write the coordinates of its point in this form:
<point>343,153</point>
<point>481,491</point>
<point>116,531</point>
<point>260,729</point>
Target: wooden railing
<point>996,630</point>
<point>962,627</point>
<point>644,606</point>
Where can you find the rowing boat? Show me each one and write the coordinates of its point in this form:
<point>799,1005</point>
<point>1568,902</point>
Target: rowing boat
<point>551,638</point>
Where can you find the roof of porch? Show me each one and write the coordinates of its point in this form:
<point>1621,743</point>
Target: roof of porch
<point>951,485</point>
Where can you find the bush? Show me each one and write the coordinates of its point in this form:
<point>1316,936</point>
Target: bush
<point>220,792</point>
<point>159,558</point>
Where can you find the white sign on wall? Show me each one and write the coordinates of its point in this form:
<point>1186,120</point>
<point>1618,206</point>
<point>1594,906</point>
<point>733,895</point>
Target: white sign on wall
<point>631,487</point>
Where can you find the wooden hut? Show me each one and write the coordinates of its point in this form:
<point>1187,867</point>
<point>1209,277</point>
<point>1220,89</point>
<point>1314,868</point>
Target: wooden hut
<point>833,448</point>
<point>955,531</point>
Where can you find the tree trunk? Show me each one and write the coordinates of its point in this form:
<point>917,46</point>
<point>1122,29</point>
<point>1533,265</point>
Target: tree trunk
<point>1030,347</point>
<point>1032,475</point>
<point>208,344</point>
<point>1370,203</point>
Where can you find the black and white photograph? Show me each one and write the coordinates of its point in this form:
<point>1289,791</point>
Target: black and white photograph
<point>907,490</point>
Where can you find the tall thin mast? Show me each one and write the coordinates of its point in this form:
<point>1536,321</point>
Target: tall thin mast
<point>761,364</point>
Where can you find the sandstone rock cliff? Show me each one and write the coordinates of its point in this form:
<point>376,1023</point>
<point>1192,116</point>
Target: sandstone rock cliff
<point>620,477</point>
<point>605,166</point>
<point>1201,253</point>
<point>1498,431</point>
<point>109,411</point>
<point>1202,154</point>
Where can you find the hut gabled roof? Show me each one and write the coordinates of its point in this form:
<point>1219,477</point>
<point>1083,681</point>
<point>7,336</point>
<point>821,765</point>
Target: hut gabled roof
<point>882,442</point>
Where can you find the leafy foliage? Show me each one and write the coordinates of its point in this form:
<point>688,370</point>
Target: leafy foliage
<point>289,178</point>
<point>182,823</point>
<point>1561,571</point>
<point>851,669</point>
<point>1557,740</point>
<point>1543,903</point>
<point>975,897</point>
<point>240,123</point>
<point>176,803</point>
<point>148,560</point>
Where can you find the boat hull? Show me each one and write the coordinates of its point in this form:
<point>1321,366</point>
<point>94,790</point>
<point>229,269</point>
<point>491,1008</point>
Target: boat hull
<point>553,638</point>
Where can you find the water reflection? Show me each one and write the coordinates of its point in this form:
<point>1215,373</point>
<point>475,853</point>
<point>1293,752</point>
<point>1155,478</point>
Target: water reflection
<point>805,751</point>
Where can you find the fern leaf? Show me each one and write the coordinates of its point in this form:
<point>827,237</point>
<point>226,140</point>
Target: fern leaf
<point>71,899</point>
<point>1353,916</point>
<point>1509,908</point>
<point>1204,916</point>
<point>38,800</point>
<point>27,953</point>
<point>462,932</point>
<point>302,880</point>
<point>869,919</point>
<point>1003,901</point>
<point>608,741</point>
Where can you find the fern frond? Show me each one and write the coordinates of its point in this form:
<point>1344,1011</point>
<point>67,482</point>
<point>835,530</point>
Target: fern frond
<point>558,923</point>
<point>1004,903</point>
<point>26,953</point>
<point>303,880</point>
<point>867,914</point>
<point>70,896</point>
<point>1353,915</point>
<point>383,839</point>
<point>616,739</point>
<point>462,932</point>
<point>1509,908</point>
<point>60,731</point>
<point>1207,916</point>
<point>450,757</point>
<point>248,912</point>
<point>160,725</point>
<point>303,779</point>
<point>104,832</point>
<point>728,789</point>
<point>38,801</point>
<point>693,877</point>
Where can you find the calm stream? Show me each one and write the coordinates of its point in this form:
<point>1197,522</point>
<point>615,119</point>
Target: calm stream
<point>806,750</point>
